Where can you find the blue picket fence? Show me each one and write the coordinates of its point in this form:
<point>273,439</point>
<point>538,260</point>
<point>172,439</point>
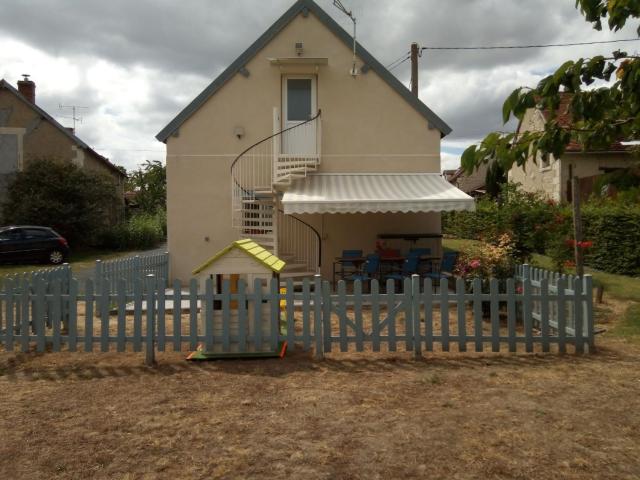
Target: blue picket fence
<point>131,268</point>
<point>481,316</point>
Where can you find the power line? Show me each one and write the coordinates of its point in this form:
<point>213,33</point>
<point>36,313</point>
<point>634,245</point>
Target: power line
<point>398,64</point>
<point>504,47</point>
<point>398,59</point>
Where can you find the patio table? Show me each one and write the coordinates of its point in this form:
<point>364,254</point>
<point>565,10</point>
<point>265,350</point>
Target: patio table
<point>356,261</point>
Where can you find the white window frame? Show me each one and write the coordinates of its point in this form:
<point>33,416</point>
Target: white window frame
<point>19,132</point>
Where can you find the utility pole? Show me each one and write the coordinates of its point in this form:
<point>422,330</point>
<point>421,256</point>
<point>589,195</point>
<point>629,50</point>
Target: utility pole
<point>414,68</point>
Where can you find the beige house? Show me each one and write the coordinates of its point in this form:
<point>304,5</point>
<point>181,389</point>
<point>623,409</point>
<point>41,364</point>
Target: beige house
<point>292,148</point>
<point>552,176</point>
<point>27,133</point>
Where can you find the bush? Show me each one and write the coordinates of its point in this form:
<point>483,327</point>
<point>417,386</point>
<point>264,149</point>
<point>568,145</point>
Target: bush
<point>75,202</point>
<point>142,231</point>
<point>611,230</point>
<point>528,218</point>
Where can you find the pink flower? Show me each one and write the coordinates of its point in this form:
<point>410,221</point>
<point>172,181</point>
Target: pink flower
<point>474,263</point>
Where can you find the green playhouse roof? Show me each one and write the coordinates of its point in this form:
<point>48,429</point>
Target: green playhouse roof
<point>252,249</point>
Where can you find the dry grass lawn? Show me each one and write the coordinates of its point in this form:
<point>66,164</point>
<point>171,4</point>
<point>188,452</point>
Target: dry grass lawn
<point>360,416</point>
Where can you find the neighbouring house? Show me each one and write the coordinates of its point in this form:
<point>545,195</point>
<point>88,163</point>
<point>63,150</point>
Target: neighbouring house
<point>29,133</point>
<point>290,148</point>
<point>473,184</point>
<point>552,176</point>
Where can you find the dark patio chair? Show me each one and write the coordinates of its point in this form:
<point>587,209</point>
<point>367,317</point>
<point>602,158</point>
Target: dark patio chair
<point>409,267</point>
<point>369,271</point>
<point>446,268</point>
<point>346,267</point>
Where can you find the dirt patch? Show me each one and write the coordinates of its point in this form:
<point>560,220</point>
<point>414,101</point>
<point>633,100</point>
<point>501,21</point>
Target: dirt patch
<point>353,415</point>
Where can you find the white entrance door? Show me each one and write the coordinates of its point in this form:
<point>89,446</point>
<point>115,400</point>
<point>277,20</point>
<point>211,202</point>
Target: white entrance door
<point>298,106</point>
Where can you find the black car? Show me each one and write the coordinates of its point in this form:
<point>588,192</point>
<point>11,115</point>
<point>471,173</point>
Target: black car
<point>27,243</point>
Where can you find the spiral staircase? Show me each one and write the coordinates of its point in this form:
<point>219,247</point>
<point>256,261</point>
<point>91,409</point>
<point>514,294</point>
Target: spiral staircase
<point>259,176</point>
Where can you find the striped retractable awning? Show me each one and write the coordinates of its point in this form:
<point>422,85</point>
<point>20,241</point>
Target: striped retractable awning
<point>374,192</point>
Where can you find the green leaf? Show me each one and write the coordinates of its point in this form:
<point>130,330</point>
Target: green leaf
<point>508,105</point>
<point>468,160</point>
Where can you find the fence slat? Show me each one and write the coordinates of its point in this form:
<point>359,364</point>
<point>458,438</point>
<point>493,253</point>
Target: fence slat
<point>121,301</point>
<point>274,334</point>
<point>288,312</point>
<point>428,314</point>
<point>444,313</point>
<point>462,315</point>
<point>511,314</point>
<point>391,315</point>
<point>56,311</point>
<point>137,314</point>
<point>242,316</point>
<point>341,310</point>
<point>73,315</point>
<point>306,315</point>
<point>588,311</point>
<point>477,314</point>
<point>415,316</point>
<point>577,312</point>
<point>375,316</point>
<point>544,313</point>
<point>527,311</point>
<point>495,315</point>
<point>88,316</point>
<point>177,316</point>
<point>407,301</point>
<point>150,328</point>
<point>24,313</point>
<point>9,306</point>
<point>317,316</point>
<point>193,314</point>
<point>38,317</point>
<point>208,310</point>
<point>562,311</point>
<point>160,314</point>
<point>357,314</point>
<point>326,315</point>
<point>226,313</point>
<point>104,315</point>
<point>257,314</point>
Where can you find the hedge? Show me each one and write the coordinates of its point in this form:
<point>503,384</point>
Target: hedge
<point>611,229</point>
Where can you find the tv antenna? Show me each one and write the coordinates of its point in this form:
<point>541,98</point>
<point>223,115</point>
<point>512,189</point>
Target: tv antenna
<point>74,116</point>
<point>349,13</point>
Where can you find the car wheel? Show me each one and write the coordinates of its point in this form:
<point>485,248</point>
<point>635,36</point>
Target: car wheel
<point>56,257</point>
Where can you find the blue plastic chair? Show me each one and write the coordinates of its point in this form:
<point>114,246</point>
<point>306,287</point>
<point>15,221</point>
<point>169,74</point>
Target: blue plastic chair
<point>369,270</point>
<point>419,252</point>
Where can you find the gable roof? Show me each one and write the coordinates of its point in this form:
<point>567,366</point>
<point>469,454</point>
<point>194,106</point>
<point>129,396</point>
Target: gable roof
<point>303,6</point>
<point>6,85</point>
<point>253,250</point>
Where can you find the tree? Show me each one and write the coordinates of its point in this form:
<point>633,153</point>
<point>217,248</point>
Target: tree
<point>150,184</point>
<point>75,202</point>
<point>600,116</point>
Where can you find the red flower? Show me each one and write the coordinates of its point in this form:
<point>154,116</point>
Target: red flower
<point>570,242</point>
<point>519,289</point>
<point>569,263</point>
<point>586,244</point>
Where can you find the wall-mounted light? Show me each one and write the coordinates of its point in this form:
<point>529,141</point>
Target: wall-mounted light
<point>238,132</point>
<point>299,48</point>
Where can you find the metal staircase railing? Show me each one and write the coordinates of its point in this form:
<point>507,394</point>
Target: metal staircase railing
<point>256,173</point>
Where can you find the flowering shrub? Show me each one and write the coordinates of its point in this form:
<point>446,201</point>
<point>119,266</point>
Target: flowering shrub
<point>488,260</point>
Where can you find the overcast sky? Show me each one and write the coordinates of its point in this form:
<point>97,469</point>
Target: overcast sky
<point>136,64</point>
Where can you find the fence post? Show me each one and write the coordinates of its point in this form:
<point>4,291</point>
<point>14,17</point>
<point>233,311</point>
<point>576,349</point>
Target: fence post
<point>317,317</point>
<point>150,358</point>
<point>137,268</point>
<point>415,313</point>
